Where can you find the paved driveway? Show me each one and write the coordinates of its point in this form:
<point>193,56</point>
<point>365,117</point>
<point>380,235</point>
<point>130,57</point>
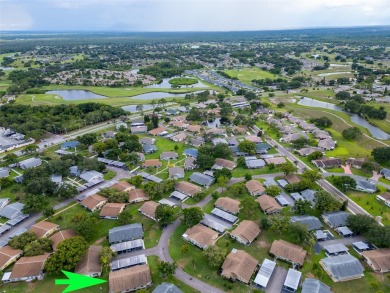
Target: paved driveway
<point>277,280</point>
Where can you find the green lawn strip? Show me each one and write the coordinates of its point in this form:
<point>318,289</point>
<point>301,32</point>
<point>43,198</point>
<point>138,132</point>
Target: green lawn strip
<point>14,192</point>
<point>246,75</point>
<point>183,81</point>
<point>369,203</point>
<point>157,278</point>
<point>241,172</point>
<point>361,172</point>
<point>109,175</point>
<point>335,170</point>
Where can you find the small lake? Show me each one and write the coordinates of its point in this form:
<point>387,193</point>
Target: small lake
<point>166,85</point>
<point>133,108</point>
<point>6,68</point>
<point>334,73</point>
<point>74,95</point>
<point>375,131</point>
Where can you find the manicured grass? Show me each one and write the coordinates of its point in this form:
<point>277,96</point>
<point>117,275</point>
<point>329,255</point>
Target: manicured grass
<point>246,75</point>
<point>152,231</point>
<point>361,172</point>
<point>183,81</point>
<point>157,278</point>
<point>241,172</point>
<point>371,205</point>
<point>109,175</point>
<point>335,170</point>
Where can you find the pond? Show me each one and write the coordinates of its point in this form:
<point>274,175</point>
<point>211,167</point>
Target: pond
<point>166,85</point>
<point>74,95</point>
<point>334,73</point>
<point>375,131</point>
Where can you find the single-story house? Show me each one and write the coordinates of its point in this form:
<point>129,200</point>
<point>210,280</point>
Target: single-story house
<point>137,195</point>
<point>112,210</point>
<point>308,151</point>
<point>253,138</point>
<point>386,173</point>
<point>342,268</point>
<point>327,163</point>
<point>358,163</point>
<point>60,236</point>
<point>335,219</point>
<point>289,252</point>
<point>255,164</point>
<point>27,269</point>
<point>109,134</point>
<point>166,288</point>
<point>378,260</point>
<point>8,255</point>
<point>255,187</point>
<point>138,129</point>
<point>191,153</point>
<point>314,286</point>
<point>125,233</point>
<point>201,179</point>
<point>327,144</point>
<point>276,161</point>
<point>268,204</point>
<point>152,163</point>
<point>187,188</point>
<point>201,236</point>
<point>124,263</point>
<point>239,265</point>
<point>218,140</point>
<point>147,140</point>
<point>148,209</point>
<point>176,172</point>
<point>292,179</point>
<point>196,142</point>
<point>228,205</point>
<point>385,198</point>
<point>344,231</point>
<point>169,156</point>
<point>157,131</point>
<point>130,279</point>
<point>311,222</point>
<point>223,163</point>
<point>194,128</point>
<point>90,264</point>
<point>4,172</point>
<point>94,202</point>
<point>12,210</point>
<point>246,232</point>
<point>309,195</point>
<point>30,163</point>
<point>141,156</point>
<point>149,148</point>
<point>179,137</point>
<point>365,186</point>
<point>189,163</point>
<point>361,246</point>
<point>70,145</point>
<point>122,186</point>
<point>262,148</point>
<point>90,176</point>
<point>44,229</point>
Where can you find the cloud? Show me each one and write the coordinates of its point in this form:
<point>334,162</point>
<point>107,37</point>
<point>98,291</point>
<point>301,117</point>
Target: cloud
<point>14,16</point>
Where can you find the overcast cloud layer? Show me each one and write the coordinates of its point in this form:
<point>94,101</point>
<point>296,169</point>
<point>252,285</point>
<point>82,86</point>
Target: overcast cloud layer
<point>189,15</point>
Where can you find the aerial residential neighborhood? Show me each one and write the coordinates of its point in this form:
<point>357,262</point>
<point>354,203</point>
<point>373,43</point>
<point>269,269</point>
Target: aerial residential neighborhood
<point>221,158</point>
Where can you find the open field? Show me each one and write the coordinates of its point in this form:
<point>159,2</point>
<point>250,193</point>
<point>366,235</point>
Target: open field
<point>246,75</point>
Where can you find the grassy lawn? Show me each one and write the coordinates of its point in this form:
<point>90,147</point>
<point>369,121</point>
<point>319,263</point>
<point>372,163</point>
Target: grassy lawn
<point>240,171</point>
<point>109,175</point>
<point>246,75</point>
<point>371,205</point>
<point>152,231</point>
<point>157,278</point>
<point>361,172</point>
<point>335,170</point>
<point>183,81</point>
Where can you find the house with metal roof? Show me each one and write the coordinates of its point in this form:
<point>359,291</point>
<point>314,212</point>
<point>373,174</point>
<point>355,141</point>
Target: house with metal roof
<point>191,153</point>
<point>282,201</point>
<point>255,164</point>
<point>4,172</point>
<point>292,281</point>
<point>30,163</point>
<point>309,195</point>
<point>201,179</point>
<point>166,288</point>
<point>262,148</point>
<point>342,268</point>
<point>215,223</point>
<point>386,173</point>
<point>311,222</point>
<point>125,263</point>
<point>125,233</point>
<point>12,211</point>
<point>335,249</point>
<point>218,140</point>
<point>264,275</point>
<point>149,148</point>
<point>365,186</point>
<point>314,286</point>
<point>344,231</point>
<point>296,196</point>
<point>361,246</point>
<point>3,202</point>
<point>70,145</point>
<point>91,176</point>
<point>224,215</point>
<point>178,195</point>
<point>335,219</point>
<point>138,129</point>
<point>128,246</point>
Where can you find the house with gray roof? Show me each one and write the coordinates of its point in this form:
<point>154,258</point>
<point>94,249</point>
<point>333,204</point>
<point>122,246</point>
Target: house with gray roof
<point>311,222</point>
<point>125,233</point>
<point>342,268</point>
<point>386,173</point>
<point>169,156</point>
<point>335,219</point>
<point>335,249</point>
<point>124,263</point>
<point>92,175</point>
<point>218,140</point>
<point>166,288</point>
<point>74,171</point>
<point>314,286</point>
<point>344,231</point>
<point>309,195</point>
<point>138,129</point>
<point>149,148</point>
<point>262,148</point>
<point>176,172</point>
<point>12,211</point>
<point>30,163</point>
<point>4,172</point>
<point>265,272</point>
<point>292,281</point>
<point>255,164</point>
<point>70,145</point>
<point>365,186</point>
<point>201,179</point>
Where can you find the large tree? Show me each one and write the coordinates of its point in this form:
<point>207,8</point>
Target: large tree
<point>38,247</point>
<point>215,256</point>
<point>114,195</point>
<point>247,147</point>
<point>192,216</point>
<point>361,224</point>
<point>165,214</point>
<point>67,255</point>
<point>324,202</point>
<point>85,225</point>
<point>381,155</point>
<point>248,207</point>
<point>344,183</point>
<point>288,168</point>
<point>21,241</point>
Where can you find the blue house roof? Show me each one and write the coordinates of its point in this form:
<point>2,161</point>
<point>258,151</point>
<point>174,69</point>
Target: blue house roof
<point>191,152</point>
<point>70,144</point>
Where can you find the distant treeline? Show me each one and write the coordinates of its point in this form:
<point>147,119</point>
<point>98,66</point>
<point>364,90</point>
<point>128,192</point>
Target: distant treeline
<point>168,69</point>
<point>36,121</point>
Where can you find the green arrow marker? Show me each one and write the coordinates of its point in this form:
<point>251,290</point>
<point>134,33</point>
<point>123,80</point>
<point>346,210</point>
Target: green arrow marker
<point>76,281</point>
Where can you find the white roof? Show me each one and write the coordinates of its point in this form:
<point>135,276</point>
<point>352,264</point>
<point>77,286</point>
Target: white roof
<point>128,262</point>
<point>167,202</point>
<point>224,215</point>
<point>292,279</point>
<point>265,272</point>
<point>178,195</point>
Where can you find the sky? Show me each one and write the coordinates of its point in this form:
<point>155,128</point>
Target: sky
<point>189,15</point>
